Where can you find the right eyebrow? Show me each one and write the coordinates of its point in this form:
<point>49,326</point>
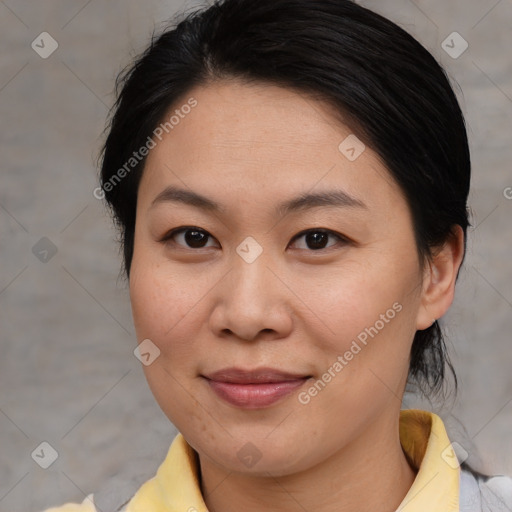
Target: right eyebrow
<point>181,195</point>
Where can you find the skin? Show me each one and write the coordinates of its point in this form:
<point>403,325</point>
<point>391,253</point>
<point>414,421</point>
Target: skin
<point>250,147</point>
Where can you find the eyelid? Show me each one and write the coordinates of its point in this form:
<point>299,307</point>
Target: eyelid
<point>341,238</point>
<point>168,236</point>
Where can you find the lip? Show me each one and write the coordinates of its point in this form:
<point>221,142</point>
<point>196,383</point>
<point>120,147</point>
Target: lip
<point>255,376</point>
<point>254,389</point>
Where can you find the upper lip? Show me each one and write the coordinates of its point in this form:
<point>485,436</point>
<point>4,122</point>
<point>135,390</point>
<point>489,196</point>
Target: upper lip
<point>254,376</point>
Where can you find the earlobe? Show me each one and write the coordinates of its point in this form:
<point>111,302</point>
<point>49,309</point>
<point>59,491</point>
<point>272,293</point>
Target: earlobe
<point>439,279</point>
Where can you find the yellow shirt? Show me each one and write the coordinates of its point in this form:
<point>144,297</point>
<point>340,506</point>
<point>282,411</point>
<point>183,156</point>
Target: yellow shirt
<point>175,487</point>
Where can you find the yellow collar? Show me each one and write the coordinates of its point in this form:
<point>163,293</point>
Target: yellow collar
<point>426,445</point>
<point>175,487</point>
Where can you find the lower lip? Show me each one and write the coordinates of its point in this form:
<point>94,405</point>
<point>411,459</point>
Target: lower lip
<point>254,396</point>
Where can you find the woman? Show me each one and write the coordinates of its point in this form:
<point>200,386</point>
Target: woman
<point>290,180</point>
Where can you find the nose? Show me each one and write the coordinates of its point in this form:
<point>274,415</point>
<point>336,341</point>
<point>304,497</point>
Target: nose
<point>252,302</point>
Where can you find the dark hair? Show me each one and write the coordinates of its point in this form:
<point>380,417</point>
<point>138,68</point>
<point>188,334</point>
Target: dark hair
<point>380,80</point>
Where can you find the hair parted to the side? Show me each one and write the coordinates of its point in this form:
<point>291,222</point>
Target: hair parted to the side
<point>381,81</point>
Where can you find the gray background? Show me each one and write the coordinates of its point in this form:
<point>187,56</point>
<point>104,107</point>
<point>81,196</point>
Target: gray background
<point>68,375</point>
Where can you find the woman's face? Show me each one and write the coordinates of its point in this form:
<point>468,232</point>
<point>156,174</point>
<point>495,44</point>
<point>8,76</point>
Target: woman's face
<point>328,316</point>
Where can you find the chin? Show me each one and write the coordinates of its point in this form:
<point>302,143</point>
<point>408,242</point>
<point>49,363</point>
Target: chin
<point>256,457</point>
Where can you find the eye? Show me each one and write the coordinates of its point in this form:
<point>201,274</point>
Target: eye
<point>192,237</point>
<point>316,239</point>
<point>196,238</point>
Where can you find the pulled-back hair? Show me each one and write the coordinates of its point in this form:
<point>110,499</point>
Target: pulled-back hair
<point>381,82</point>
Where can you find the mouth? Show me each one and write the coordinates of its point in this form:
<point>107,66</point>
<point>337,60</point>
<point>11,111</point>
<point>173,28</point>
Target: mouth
<point>254,389</point>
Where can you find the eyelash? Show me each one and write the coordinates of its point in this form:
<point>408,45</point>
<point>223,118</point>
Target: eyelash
<point>167,239</point>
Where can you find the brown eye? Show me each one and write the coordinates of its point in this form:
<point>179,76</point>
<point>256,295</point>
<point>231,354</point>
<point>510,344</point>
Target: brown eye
<point>195,238</point>
<point>317,239</point>
<point>189,237</point>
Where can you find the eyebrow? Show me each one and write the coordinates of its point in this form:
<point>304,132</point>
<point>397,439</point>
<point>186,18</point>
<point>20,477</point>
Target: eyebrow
<point>306,201</point>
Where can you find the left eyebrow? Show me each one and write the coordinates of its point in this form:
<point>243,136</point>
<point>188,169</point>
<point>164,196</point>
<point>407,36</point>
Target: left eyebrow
<point>303,202</point>
<point>330,198</point>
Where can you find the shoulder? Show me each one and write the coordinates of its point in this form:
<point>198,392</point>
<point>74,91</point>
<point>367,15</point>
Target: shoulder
<point>118,490</point>
<point>86,506</point>
<point>479,494</point>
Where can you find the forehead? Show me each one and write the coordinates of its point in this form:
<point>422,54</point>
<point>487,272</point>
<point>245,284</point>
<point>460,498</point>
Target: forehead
<point>257,143</point>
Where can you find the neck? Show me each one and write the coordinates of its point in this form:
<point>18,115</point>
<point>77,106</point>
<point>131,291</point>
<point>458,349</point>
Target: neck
<point>362,476</point>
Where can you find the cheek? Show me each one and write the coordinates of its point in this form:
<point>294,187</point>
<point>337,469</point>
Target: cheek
<point>151,299</point>
<point>348,300</point>
<point>158,303</point>
<point>168,307</point>
<point>366,315</point>
<point>165,310</point>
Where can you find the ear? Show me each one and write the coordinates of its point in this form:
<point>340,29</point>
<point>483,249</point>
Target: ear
<point>439,278</point>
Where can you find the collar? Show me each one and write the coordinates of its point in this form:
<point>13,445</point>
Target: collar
<point>175,487</point>
<point>427,447</point>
